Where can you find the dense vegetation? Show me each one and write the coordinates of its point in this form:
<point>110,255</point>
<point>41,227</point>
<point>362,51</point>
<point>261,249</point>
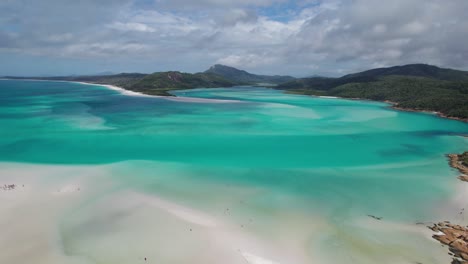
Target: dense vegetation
<point>464,158</point>
<point>416,86</point>
<point>243,77</point>
<point>419,70</point>
<point>161,82</point>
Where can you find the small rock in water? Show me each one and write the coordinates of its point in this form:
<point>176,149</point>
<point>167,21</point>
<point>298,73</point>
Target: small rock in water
<point>375,217</point>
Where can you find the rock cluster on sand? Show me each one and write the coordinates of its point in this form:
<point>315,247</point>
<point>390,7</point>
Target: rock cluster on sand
<point>455,237</point>
<point>8,187</point>
<point>456,161</point>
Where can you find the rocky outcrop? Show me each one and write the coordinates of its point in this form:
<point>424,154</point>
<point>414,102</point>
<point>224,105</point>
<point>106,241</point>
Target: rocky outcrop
<point>455,237</point>
<point>463,178</point>
<point>456,161</point>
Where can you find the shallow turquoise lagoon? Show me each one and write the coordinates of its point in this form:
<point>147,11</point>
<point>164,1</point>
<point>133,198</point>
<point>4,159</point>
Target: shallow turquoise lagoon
<point>319,148</point>
<point>340,159</point>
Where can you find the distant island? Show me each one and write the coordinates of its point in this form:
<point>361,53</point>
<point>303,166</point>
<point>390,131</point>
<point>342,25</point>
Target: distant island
<point>414,87</point>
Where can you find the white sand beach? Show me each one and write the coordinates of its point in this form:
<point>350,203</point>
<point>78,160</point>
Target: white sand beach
<point>47,223</point>
<point>122,90</point>
<point>79,215</point>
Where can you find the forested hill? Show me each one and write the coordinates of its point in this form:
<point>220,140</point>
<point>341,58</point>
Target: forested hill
<point>159,83</point>
<point>420,70</point>
<point>241,76</point>
<point>413,87</point>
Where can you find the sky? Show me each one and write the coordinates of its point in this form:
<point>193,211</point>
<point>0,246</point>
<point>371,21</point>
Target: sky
<point>299,38</point>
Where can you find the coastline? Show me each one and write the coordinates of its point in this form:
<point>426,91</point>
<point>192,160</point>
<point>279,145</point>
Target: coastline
<point>393,105</point>
<point>454,236</point>
<point>457,164</point>
<point>109,86</point>
<point>121,90</point>
<point>124,91</point>
<point>439,114</point>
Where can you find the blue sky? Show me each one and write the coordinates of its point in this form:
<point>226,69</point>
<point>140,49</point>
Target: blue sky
<point>300,38</point>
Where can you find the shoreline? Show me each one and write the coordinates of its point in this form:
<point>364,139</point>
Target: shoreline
<point>121,90</point>
<point>173,97</point>
<point>108,86</point>
<point>454,236</point>
<point>454,160</point>
<point>124,91</point>
<point>395,106</point>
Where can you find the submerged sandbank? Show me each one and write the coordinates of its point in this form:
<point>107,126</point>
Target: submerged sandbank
<point>83,215</point>
<point>89,220</point>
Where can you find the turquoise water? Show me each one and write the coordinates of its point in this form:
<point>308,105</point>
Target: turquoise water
<point>332,157</point>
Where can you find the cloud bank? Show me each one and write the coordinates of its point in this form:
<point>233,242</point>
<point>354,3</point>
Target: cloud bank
<point>265,36</point>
